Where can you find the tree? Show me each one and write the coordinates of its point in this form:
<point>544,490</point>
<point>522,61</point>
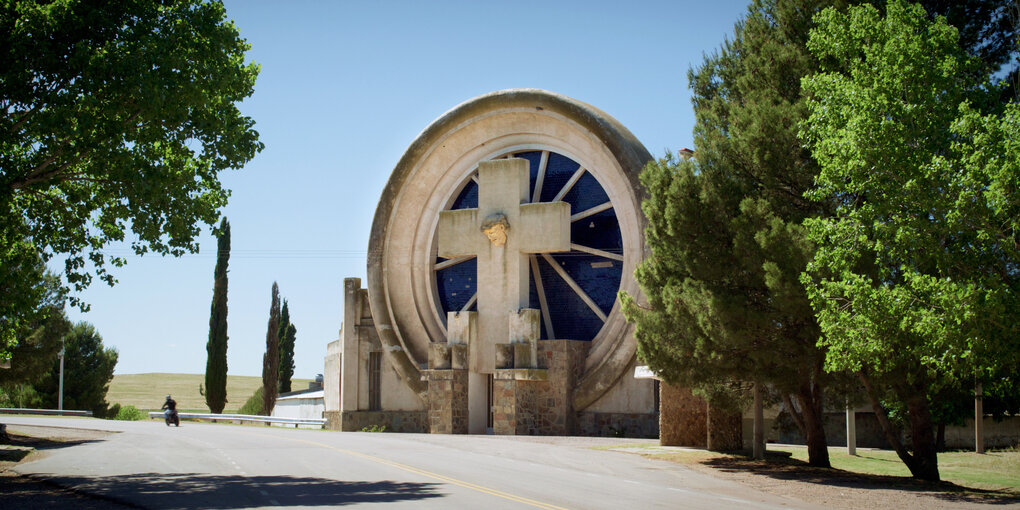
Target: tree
<point>724,228</point>
<point>916,276</point>
<point>271,359</point>
<point>988,30</point>
<point>27,293</point>
<point>287,336</point>
<point>88,370</point>
<point>216,347</point>
<point>117,116</point>
<point>40,341</point>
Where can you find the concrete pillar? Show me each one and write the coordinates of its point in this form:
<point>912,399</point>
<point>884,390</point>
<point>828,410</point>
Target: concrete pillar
<point>979,419</point>
<point>478,406</point>
<point>758,437</point>
<point>349,349</point>
<point>851,430</point>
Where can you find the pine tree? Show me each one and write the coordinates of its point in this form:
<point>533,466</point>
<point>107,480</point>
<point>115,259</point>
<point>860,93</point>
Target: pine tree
<point>725,304</point>
<point>216,347</point>
<point>271,359</point>
<point>88,370</point>
<point>287,336</point>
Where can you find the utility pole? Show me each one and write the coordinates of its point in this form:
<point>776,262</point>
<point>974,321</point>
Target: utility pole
<point>60,386</point>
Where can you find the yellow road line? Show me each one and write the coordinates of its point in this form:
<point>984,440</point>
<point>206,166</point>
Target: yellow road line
<point>429,474</point>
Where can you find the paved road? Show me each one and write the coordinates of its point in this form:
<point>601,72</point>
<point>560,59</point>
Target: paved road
<point>147,465</point>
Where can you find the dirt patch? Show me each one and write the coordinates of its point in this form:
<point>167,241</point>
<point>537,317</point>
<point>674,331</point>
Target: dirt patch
<point>835,488</point>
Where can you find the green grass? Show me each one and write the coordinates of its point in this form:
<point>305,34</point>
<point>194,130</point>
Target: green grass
<point>992,470</point>
<point>996,470</point>
<point>149,391</point>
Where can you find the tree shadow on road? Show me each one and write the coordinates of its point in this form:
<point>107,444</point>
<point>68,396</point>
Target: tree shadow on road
<point>192,490</point>
<point>42,443</point>
<point>19,447</point>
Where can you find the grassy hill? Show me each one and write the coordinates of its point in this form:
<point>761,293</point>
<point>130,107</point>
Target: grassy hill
<point>149,391</point>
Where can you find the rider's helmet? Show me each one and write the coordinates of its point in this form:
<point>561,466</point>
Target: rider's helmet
<point>168,397</point>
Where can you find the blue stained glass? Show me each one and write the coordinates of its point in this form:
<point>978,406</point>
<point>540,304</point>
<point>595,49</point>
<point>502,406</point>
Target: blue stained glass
<point>468,197</point>
<point>599,277</point>
<point>585,194</point>
<point>557,173</point>
<point>456,284</point>
<point>571,318</point>
<point>600,231</point>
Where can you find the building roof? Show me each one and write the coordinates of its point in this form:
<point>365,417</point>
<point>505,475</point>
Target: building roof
<point>306,394</point>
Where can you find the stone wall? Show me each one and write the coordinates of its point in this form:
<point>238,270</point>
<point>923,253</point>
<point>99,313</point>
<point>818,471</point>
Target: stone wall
<point>553,401</point>
<point>514,409</point>
<point>618,424</point>
<point>1003,434</point>
<point>725,432</point>
<point>448,401</point>
<point>682,417</point>
<point>394,421</point>
<point>997,434</point>
<point>867,430</point>
<point>538,400</point>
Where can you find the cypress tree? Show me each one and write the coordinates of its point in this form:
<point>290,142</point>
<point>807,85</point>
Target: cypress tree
<point>271,359</point>
<point>216,347</point>
<point>287,335</point>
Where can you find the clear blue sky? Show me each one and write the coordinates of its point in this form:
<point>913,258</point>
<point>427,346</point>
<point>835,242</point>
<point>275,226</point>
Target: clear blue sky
<point>345,87</point>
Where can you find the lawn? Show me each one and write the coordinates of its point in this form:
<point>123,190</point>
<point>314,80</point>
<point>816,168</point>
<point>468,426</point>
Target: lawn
<point>993,470</point>
<point>996,470</point>
<point>149,391</point>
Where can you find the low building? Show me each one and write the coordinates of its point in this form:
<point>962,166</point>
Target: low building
<point>305,404</point>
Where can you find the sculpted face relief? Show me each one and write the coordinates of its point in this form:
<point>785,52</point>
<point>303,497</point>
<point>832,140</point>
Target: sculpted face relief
<point>496,228</point>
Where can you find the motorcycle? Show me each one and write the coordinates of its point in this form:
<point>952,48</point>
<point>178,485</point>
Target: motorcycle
<point>171,417</point>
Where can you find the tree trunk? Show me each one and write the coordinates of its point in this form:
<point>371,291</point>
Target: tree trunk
<point>923,464</point>
<point>814,425</point>
<point>891,435</point>
<point>926,464</point>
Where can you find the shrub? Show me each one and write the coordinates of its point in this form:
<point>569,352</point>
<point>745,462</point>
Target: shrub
<point>374,428</point>
<point>19,396</point>
<point>126,413</point>
<point>253,405</point>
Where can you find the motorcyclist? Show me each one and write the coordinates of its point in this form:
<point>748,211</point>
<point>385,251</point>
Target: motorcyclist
<point>169,407</point>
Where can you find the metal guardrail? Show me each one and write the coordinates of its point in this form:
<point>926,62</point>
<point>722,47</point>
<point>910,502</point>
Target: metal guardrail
<point>48,412</point>
<point>242,418</point>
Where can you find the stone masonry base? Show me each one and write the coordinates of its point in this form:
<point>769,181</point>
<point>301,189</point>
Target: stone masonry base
<point>687,420</point>
<point>393,421</point>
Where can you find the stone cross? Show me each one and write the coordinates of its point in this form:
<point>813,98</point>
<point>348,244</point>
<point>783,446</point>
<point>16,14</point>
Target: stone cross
<point>501,233</point>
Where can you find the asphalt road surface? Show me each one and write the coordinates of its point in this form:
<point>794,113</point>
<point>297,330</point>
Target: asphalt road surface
<point>148,465</point>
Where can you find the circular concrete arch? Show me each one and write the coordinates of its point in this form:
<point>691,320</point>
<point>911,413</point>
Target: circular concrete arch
<point>401,250</point>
